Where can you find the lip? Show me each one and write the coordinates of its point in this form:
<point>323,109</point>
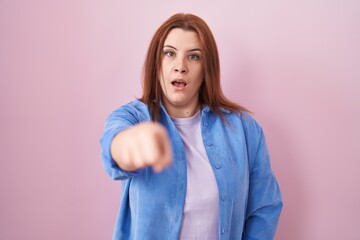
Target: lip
<point>179,80</point>
<point>179,84</point>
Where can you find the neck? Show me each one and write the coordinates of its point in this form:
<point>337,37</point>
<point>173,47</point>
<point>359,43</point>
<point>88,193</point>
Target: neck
<point>181,112</point>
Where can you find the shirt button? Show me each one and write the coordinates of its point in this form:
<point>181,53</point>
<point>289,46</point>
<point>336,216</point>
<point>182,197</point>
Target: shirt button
<point>205,124</point>
<point>217,166</point>
<point>223,197</point>
<point>209,144</point>
<point>223,231</point>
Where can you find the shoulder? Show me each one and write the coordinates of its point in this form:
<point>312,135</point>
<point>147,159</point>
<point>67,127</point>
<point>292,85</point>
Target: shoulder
<point>251,129</point>
<point>133,111</point>
<point>248,122</point>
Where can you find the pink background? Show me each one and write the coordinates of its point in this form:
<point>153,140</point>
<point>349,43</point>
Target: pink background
<point>64,65</point>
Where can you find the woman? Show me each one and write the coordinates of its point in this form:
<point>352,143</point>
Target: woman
<point>194,165</point>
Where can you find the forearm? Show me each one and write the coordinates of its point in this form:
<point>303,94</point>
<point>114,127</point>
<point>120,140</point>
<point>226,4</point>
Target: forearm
<point>264,208</point>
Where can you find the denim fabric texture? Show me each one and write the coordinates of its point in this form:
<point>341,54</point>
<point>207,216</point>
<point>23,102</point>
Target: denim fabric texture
<point>152,203</point>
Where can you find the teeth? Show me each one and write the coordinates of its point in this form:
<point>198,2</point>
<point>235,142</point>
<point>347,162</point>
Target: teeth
<point>178,81</point>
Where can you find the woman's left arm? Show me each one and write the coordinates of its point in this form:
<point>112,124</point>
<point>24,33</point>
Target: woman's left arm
<point>264,199</point>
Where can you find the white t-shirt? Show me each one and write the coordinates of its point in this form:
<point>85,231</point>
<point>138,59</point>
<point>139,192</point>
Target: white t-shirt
<point>201,212</point>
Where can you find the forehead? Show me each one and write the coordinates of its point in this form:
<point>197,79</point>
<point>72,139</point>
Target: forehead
<point>178,37</point>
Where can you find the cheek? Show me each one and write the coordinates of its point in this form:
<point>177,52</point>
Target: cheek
<point>200,74</point>
<point>163,74</point>
<point>161,81</point>
<point>165,68</point>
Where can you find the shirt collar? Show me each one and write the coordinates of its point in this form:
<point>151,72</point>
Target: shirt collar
<point>205,109</point>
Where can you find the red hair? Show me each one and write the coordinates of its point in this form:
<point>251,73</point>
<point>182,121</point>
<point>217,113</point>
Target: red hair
<point>210,91</point>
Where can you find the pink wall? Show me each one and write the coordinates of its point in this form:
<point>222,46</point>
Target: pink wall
<point>64,65</point>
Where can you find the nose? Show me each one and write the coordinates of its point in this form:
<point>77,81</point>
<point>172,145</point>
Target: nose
<point>180,66</point>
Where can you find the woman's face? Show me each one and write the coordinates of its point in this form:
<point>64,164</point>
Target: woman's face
<point>181,73</point>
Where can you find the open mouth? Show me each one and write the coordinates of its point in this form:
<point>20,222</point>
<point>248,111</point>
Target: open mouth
<point>178,83</point>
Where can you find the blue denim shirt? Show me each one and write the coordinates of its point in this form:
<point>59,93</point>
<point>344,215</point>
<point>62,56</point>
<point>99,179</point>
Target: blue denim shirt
<point>152,203</point>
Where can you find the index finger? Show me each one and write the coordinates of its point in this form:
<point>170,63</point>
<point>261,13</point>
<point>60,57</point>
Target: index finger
<point>165,156</point>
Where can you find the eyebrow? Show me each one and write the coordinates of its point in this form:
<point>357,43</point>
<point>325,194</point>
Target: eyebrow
<point>191,50</point>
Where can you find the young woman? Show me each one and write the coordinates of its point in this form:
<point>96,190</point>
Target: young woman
<point>194,165</point>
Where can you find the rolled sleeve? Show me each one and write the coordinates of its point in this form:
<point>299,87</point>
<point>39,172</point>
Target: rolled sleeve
<point>118,121</point>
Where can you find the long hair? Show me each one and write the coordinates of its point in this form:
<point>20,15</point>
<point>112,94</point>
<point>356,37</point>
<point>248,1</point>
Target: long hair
<point>210,92</point>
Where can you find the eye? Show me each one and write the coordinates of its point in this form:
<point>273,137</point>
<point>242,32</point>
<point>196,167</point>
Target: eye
<point>194,57</point>
<point>169,53</point>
